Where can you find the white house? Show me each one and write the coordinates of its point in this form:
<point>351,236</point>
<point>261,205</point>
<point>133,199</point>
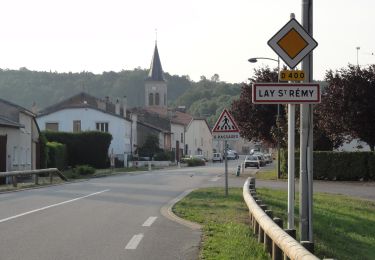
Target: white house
<point>198,138</point>
<point>84,112</point>
<point>19,138</point>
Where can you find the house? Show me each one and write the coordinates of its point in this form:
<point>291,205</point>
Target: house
<point>83,112</point>
<point>177,130</point>
<point>19,138</point>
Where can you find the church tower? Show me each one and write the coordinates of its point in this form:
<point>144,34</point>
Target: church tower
<point>155,84</point>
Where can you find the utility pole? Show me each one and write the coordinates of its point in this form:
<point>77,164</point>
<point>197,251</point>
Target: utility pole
<point>306,137</point>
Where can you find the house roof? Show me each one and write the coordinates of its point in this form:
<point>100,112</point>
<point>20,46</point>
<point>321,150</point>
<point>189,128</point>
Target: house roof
<point>18,107</point>
<point>156,71</point>
<point>84,100</point>
<point>9,123</point>
<point>176,117</point>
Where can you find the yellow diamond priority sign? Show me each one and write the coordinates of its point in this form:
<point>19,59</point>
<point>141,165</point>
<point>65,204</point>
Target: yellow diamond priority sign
<point>292,43</point>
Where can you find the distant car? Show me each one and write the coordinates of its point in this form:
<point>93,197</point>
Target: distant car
<point>252,161</point>
<point>231,155</point>
<point>268,158</point>
<point>199,156</point>
<point>217,157</point>
<point>261,158</point>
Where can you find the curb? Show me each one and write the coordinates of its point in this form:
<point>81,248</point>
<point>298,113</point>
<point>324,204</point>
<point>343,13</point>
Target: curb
<point>167,212</point>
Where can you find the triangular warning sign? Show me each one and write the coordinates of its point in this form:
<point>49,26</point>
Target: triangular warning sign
<point>225,124</point>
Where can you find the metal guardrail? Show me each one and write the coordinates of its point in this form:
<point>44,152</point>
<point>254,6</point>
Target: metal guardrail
<point>36,173</point>
<point>269,231</point>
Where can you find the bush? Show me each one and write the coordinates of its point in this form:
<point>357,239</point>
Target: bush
<point>56,155</point>
<point>84,148</point>
<point>195,162</point>
<point>162,156</point>
<point>84,170</point>
<point>344,166</point>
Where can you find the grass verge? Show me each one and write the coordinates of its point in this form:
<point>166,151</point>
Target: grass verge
<point>344,227</point>
<point>225,221</point>
<point>267,174</point>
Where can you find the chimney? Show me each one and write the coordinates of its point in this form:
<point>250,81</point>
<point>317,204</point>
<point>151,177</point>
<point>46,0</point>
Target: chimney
<point>117,107</point>
<point>124,105</point>
<point>34,108</point>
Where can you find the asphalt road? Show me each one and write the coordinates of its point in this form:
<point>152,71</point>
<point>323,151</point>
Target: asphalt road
<point>115,217</point>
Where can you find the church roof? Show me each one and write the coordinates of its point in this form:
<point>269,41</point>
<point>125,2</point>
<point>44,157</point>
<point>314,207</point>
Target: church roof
<point>156,71</point>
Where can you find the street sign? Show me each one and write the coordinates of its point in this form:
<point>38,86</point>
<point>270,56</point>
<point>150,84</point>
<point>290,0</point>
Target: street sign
<point>292,43</point>
<point>286,93</point>
<point>292,75</point>
<point>225,127</point>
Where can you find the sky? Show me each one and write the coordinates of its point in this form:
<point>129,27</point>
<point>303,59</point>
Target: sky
<point>195,37</point>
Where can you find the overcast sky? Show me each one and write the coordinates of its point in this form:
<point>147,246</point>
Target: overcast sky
<point>195,37</point>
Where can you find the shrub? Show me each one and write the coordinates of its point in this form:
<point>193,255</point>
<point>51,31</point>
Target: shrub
<point>84,148</point>
<point>84,170</point>
<point>195,162</point>
<point>344,166</point>
<point>56,155</point>
<point>162,156</point>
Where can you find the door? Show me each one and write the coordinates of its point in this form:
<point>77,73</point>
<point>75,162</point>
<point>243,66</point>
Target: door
<point>3,156</point>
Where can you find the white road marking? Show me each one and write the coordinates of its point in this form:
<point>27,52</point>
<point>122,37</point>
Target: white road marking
<point>50,206</point>
<point>149,222</point>
<point>215,178</point>
<point>134,242</point>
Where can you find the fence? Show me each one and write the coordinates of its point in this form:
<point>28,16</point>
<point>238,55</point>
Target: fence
<point>35,173</point>
<point>278,242</point>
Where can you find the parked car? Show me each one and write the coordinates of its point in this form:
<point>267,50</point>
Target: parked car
<point>199,156</point>
<point>268,158</point>
<point>252,161</point>
<point>261,158</point>
<point>217,157</point>
<point>232,155</point>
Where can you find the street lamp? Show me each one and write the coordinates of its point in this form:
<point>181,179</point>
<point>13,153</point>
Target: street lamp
<point>254,60</point>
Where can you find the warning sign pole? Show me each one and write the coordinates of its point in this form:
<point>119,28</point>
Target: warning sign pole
<point>226,166</point>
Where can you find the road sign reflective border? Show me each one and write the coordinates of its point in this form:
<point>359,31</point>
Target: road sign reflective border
<point>292,43</point>
<point>286,93</point>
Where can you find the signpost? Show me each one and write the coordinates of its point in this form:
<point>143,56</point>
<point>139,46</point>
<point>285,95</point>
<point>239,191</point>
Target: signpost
<point>294,43</point>
<point>225,129</point>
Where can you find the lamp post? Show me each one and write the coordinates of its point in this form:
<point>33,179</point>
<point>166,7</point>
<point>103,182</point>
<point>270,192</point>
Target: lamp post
<point>254,60</point>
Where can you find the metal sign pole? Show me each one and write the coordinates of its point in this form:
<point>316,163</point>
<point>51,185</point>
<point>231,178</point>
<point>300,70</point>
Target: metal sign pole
<point>306,138</point>
<point>226,166</point>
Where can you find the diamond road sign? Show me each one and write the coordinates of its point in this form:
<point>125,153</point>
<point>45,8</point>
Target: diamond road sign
<point>292,43</point>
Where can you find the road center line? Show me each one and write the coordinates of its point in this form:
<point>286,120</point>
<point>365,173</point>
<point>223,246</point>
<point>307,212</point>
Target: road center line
<point>149,222</point>
<point>50,206</point>
<point>134,242</point>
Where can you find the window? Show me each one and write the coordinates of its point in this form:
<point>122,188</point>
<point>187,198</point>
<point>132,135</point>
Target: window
<point>76,126</point>
<point>151,99</point>
<point>157,99</point>
<point>102,127</point>
<point>52,126</point>
<point>182,138</point>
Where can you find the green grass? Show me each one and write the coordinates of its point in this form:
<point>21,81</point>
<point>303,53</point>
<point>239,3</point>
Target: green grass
<point>267,175</point>
<point>344,227</point>
<point>225,221</point>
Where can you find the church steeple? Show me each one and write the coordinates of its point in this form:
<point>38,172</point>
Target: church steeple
<point>155,84</point>
<point>156,71</point>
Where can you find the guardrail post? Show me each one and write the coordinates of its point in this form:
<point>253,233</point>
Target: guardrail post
<point>276,251</point>
<point>14,181</point>
<point>267,240</point>
<point>308,245</point>
<point>292,233</point>
<point>36,178</point>
<point>50,177</point>
<point>258,202</point>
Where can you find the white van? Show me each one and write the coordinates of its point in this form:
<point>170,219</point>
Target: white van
<point>217,157</point>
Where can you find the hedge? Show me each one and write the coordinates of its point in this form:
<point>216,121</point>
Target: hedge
<point>84,148</point>
<point>344,166</point>
<point>56,155</point>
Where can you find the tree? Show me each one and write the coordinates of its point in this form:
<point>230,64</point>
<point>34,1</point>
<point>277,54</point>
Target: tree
<point>258,122</point>
<point>347,110</point>
<point>215,77</point>
<point>150,147</point>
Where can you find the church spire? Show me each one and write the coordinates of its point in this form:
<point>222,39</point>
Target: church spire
<point>156,71</point>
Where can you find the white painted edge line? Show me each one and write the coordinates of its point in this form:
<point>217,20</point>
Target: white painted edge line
<point>167,212</point>
<point>50,206</point>
<point>134,242</point>
<point>149,222</point>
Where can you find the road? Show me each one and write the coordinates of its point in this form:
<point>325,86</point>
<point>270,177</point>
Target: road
<point>115,217</point>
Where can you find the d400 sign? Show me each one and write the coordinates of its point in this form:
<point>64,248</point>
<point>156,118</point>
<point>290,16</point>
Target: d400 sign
<point>292,75</point>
